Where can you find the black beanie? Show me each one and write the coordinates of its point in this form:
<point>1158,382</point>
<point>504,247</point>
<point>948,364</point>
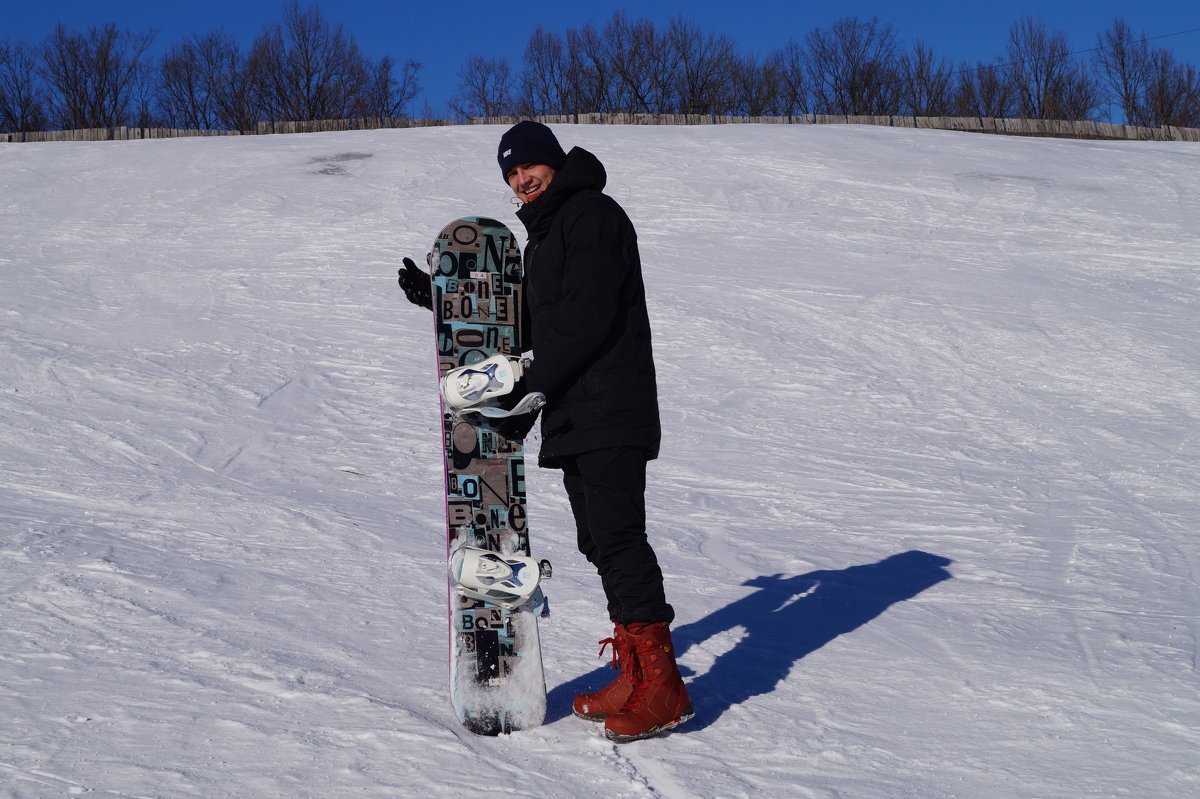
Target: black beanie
<point>529,142</point>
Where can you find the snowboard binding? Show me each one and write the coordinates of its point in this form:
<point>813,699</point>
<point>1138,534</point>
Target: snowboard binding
<point>509,581</point>
<point>478,388</point>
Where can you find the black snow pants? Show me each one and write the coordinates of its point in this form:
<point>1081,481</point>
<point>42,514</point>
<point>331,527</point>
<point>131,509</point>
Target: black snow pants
<point>607,490</point>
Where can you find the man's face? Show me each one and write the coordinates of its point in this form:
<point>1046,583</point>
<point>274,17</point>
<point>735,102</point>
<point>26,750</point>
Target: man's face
<point>529,180</point>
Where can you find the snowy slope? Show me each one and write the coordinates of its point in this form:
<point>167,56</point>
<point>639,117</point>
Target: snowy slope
<point>928,500</point>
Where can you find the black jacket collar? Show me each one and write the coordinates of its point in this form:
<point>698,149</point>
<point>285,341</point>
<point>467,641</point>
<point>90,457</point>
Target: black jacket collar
<point>579,172</point>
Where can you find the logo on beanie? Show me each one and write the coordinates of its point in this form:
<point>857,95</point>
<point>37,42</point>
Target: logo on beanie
<point>529,142</point>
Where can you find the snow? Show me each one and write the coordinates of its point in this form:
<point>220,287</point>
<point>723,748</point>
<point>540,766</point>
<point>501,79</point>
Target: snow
<point>927,506</point>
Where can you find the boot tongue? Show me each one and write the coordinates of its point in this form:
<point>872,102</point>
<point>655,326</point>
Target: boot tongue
<point>645,655</point>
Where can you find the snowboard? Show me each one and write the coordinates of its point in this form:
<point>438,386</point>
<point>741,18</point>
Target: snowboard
<point>496,680</point>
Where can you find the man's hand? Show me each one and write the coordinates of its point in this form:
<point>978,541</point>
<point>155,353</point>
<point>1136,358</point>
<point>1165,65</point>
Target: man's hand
<point>416,285</point>
<point>516,428</point>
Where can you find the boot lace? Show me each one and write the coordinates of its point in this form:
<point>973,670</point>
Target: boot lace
<point>604,644</point>
<point>641,660</point>
<point>621,651</point>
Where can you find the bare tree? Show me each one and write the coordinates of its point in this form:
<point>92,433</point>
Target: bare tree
<point>1172,93</point>
<point>1122,63</point>
<point>235,102</point>
<point>206,83</point>
<point>307,68</point>
<point>852,68</point>
<point>984,90</point>
<point>757,86</point>
<point>95,80</point>
<point>485,88</point>
<point>588,72</point>
<point>1049,83</point>
<point>385,94</point>
<point>639,63</point>
<point>22,107</point>
<point>1149,86</point>
<point>926,82</point>
<point>789,65</point>
<point>704,68</point>
<point>544,79</point>
<point>629,66</point>
<point>190,76</point>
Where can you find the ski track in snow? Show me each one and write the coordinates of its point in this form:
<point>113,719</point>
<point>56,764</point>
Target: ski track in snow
<point>927,504</point>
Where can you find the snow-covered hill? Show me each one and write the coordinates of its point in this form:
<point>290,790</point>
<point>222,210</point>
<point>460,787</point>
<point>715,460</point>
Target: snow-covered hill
<point>928,501</point>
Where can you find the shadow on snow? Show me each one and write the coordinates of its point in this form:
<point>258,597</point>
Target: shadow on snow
<point>784,620</point>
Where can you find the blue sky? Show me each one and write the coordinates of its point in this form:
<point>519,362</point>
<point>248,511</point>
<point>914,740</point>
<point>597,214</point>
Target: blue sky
<point>442,34</point>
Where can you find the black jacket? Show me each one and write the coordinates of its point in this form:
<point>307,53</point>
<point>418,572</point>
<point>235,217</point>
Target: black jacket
<point>586,320</point>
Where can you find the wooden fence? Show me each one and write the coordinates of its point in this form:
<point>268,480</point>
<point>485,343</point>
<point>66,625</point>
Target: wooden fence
<point>1009,127</point>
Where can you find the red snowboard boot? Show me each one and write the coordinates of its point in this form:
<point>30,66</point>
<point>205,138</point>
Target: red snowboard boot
<point>659,699</point>
<point>610,699</point>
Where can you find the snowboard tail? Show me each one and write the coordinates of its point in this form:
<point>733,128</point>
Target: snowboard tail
<point>496,680</point>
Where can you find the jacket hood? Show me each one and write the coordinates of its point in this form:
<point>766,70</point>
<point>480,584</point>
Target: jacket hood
<point>581,171</point>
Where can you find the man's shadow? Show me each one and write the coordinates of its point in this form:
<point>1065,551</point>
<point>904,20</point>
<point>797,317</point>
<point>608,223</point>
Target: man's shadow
<point>786,619</point>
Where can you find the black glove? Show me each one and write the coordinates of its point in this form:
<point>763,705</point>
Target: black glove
<point>516,428</point>
<point>416,285</point>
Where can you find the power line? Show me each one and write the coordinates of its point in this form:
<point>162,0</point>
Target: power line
<point>1006,64</point>
<point>1142,40</point>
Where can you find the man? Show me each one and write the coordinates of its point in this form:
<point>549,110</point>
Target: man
<point>590,333</point>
